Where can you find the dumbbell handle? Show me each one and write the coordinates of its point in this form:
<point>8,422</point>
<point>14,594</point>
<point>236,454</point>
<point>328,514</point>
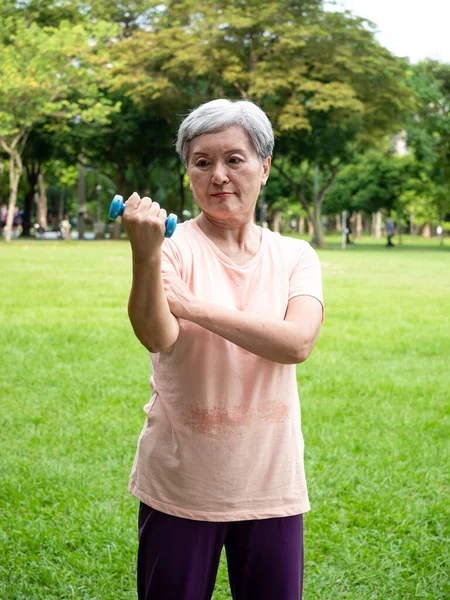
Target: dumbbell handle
<point>117,207</point>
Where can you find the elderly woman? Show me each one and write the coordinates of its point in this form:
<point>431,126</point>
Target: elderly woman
<point>227,310</point>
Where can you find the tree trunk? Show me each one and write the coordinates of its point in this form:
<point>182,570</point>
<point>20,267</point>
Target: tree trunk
<point>318,239</point>
<point>28,202</point>
<point>32,170</point>
<point>41,201</point>
<point>99,230</point>
<point>314,215</point>
<point>301,225</point>
<point>117,227</point>
<point>310,228</point>
<point>359,224</point>
<point>276,221</point>
<point>344,230</point>
<point>412,225</point>
<point>27,209</point>
<point>319,196</point>
<point>378,225</point>
<point>62,194</point>
<point>426,231</point>
<point>338,223</point>
<point>81,192</point>
<point>15,171</point>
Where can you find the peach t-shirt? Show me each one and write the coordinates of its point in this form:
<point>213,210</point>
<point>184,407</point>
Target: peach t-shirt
<point>222,440</point>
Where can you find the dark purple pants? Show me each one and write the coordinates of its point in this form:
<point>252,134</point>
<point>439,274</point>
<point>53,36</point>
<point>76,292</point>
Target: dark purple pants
<point>178,558</point>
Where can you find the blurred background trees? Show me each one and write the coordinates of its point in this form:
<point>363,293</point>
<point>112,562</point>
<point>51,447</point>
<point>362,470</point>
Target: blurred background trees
<point>92,95</point>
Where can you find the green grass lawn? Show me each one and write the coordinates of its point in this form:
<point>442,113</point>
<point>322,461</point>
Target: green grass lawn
<point>375,409</point>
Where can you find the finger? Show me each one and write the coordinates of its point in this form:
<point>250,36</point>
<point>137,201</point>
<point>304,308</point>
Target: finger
<point>133,201</point>
<point>145,204</point>
<point>163,214</point>
<point>154,209</point>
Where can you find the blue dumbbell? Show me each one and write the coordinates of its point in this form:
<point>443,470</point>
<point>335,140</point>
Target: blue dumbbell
<point>117,207</point>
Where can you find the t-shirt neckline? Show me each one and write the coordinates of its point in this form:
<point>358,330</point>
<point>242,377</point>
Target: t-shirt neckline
<point>226,259</point>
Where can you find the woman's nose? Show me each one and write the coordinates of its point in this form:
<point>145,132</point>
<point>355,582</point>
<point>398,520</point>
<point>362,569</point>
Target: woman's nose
<point>219,175</point>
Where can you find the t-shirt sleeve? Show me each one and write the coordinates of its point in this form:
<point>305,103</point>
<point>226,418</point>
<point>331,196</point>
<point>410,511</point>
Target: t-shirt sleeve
<point>170,258</point>
<point>306,278</point>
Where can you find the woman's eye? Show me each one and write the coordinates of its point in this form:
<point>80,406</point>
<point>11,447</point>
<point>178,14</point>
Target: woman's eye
<point>235,160</point>
<point>202,163</point>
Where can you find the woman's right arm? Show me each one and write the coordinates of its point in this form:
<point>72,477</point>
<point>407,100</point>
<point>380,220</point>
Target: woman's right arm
<point>154,325</point>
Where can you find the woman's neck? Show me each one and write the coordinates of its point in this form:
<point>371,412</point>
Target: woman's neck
<point>243,235</point>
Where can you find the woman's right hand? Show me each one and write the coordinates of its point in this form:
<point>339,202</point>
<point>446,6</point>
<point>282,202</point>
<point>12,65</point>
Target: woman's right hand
<point>145,224</point>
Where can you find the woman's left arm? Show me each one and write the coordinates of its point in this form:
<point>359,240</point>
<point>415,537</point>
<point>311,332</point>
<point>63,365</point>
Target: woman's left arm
<point>289,342</point>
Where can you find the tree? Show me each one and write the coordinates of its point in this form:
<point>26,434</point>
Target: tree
<point>356,94</point>
<point>49,73</point>
<point>325,82</point>
<point>428,134</point>
<point>375,180</point>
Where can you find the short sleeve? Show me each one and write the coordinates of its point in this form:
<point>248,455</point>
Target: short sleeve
<point>170,258</point>
<point>306,278</point>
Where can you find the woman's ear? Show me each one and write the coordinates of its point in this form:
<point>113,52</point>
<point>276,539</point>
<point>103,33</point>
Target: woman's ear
<point>266,170</point>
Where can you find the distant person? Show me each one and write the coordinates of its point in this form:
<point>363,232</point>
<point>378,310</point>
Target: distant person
<point>390,230</point>
<point>17,221</point>
<point>65,227</point>
<point>349,232</point>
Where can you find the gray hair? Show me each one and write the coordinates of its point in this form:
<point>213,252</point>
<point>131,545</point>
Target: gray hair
<point>220,114</point>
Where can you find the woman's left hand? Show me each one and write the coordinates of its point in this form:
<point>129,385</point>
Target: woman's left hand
<point>180,298</point>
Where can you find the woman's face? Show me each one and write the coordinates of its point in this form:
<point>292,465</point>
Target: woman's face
<point>226,175</point>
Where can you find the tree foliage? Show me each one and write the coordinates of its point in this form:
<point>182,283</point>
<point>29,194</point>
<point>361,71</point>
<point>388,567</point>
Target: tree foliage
<point>52,74</point>
<point>428,132</point>
<point>374,180</point>
<point>324,81</point>
<point>330,89</point>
